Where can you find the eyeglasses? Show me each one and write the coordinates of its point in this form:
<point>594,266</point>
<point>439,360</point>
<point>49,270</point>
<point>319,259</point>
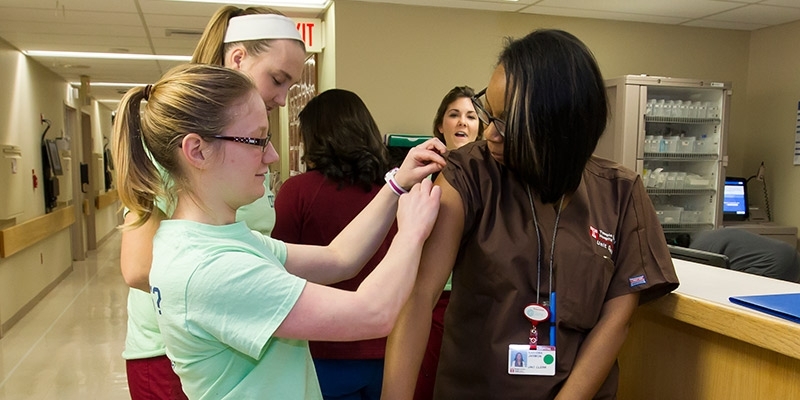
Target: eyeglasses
<point>246,140</point>
<point>484,115</point>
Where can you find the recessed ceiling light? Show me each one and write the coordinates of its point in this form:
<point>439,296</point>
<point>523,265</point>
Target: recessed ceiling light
<point>114,56</point>
<point>71,66</point>
<point>110,84</point>
<point>316,4</point>
<point>169,32</point>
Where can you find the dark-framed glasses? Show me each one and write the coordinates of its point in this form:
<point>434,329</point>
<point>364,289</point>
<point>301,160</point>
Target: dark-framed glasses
<point>485,117</point>
<point>247,140</point>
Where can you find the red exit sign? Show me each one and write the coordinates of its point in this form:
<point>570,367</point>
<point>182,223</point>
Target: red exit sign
<point>311,31</point>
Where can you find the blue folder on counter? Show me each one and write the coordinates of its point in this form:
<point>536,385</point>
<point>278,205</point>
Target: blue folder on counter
<point>785,305</point>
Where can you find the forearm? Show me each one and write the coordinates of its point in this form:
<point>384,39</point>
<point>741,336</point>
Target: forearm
<point>385,291</point>
<point>405,349</point>
<point>600,350</point>
<point>325,313</point>
<point>368,229</point>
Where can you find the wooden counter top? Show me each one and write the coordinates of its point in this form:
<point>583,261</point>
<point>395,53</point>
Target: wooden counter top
<point>702,300</point>
<point>695,344</point>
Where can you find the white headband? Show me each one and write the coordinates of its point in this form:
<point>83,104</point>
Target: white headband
<point>261,26</point>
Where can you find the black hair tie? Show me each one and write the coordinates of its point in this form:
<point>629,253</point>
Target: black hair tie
<point>147,90</point>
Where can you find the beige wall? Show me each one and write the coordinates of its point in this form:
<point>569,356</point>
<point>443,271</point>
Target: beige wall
<point>106,219</point>
<point>29,91</point>
<point>773,93</point>
<point>402,59</point>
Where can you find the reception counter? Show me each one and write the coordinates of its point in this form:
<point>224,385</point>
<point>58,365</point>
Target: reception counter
<point>695,344</point>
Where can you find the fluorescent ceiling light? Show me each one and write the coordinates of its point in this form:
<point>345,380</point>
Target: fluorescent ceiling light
<point>113,56</point>
<point>317,4</point>
<point>110,84</point>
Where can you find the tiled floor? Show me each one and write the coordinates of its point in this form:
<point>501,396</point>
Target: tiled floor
<point>68,347</point>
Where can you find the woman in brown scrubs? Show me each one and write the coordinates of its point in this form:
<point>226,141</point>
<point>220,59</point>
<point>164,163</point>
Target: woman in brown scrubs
<point>551,248</point>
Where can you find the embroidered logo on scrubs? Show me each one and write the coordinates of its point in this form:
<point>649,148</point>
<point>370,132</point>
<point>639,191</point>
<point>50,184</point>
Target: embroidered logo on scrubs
<point>637,280</point>
<point>603,239</point>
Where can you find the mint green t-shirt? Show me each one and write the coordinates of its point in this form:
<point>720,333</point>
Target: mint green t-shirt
<point>220,293</point>
<point>260,214</point>
<point>143,337</point>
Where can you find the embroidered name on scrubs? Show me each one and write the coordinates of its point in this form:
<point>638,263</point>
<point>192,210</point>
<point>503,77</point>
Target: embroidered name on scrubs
<point>533,358</point>
<point>603,239</point>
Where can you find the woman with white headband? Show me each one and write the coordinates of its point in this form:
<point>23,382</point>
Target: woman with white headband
<point>265,45</point>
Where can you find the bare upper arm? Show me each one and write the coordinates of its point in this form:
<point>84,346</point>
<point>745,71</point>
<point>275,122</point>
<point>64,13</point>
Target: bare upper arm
<point>136,252</point>
<point>441,248</point>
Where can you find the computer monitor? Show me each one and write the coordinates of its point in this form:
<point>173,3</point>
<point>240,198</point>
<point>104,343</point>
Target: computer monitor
<point>53,158</point>
<point>734,200</point>
<point>699,256</point>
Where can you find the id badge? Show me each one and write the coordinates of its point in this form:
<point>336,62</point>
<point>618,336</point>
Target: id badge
<point>524,361</point>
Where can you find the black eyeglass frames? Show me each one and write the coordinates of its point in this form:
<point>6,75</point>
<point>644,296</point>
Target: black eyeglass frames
<point>484,115</point>
<point>246,140</point>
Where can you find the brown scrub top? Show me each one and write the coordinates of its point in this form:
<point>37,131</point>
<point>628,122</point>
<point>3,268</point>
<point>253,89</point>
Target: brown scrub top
<point>609,243</point>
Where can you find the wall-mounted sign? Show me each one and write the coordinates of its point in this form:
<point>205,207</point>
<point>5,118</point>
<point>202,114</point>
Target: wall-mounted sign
<point>311,31</point>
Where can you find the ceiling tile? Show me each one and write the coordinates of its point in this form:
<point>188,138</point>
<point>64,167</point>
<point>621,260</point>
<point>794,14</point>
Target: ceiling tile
<point>671,8</point>
<point>465,4</point>
<point>568,12</point>
<point>758,14</point>
<point>707,23</point>
<point>784,3</point>
<point>56,7</point>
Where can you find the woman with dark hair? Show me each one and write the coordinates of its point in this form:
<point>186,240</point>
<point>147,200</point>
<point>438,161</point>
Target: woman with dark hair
<point>456,122</point>
<point>551,248</point>
<point>346,160</point>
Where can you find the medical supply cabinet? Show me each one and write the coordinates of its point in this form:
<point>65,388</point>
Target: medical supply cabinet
<point>672,132</point>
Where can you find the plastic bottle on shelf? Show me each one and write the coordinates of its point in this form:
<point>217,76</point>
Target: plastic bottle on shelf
<point>671,144</point>
<point>691,110</point>
<point>702,109</point>
<point>679,109</point>
<point>649,108</point>
<point>658,145</point>
<point>686,145</point>
<point>701,145</point>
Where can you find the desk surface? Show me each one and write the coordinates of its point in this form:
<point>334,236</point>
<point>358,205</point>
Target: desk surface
<point>695,344</point>
<point>702,300</point>
<point>718,284</point>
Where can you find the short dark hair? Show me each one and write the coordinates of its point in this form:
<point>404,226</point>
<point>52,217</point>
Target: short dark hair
<point>556,109</point>
<point>454,94</point>
<point>342,140</point>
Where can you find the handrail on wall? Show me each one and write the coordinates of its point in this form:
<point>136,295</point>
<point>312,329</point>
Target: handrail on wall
<point>18,237</point>
<point>106,199</point>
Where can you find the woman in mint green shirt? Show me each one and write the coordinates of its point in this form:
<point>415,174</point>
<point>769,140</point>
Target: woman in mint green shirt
<point>236,308</point>
<point>272,53</point>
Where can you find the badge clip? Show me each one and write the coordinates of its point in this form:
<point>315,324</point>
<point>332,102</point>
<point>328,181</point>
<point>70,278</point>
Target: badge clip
<point>535,313</point>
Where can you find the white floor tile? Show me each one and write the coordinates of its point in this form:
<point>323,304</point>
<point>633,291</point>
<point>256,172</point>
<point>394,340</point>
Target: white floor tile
<point>69,346</point>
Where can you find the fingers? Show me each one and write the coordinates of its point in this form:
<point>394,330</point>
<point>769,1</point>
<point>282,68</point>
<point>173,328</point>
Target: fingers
<point>419,208</point>
<point>421,161</point>
<point>435,145</point>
